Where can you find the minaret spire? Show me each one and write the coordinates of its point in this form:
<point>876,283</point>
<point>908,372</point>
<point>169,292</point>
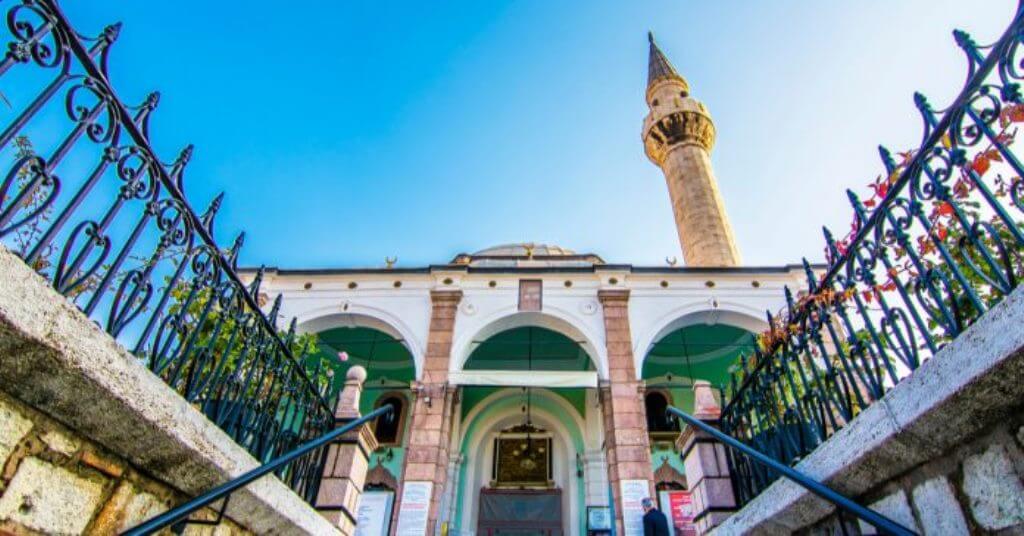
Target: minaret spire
<point>658,66</point>
<point>678,137</point>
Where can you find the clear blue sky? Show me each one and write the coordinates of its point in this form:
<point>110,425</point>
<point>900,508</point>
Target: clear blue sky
<point>344,132</point>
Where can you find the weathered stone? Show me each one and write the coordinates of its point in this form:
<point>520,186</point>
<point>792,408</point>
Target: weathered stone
<point>128,507</point>
<point>13,428</point>
<point>938,508</point>
<point>895,507</point>
<point>970,384</point>
<point>994,489</point>
<point>50,499</point>
<point>58,361</point>
<point>102,464</point>
<point>61,443</point>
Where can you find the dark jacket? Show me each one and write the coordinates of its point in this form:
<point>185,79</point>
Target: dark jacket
<point>655,524</point>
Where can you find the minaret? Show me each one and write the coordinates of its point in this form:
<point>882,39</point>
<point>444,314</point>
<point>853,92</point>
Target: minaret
<point>678,137</point>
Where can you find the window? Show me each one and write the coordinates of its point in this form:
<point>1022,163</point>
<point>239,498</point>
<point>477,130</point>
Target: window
<point>388,428</point>
<point>656,402</point>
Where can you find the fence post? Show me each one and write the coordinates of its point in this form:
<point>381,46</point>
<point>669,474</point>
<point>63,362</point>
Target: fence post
<point>707,469</point>
<point>348,460</point>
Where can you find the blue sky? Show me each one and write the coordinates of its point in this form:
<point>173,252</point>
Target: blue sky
<point>344,132</point>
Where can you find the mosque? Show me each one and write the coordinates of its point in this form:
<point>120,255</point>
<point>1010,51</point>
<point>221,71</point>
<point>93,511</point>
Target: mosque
<point>530,380</point>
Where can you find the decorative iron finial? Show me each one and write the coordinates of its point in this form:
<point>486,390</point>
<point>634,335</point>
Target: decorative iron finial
<point>389,262</point>
<point>671,261</point>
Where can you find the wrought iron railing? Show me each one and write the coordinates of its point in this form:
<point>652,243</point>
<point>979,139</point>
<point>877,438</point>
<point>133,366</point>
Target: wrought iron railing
<point>106,222</point>
<point>938,244</point>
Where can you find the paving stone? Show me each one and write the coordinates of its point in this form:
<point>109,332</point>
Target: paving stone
<point>50,499</point>
<point>13,427</point>
<point>994,489</point>
<point>61,443</point>
<point>897,508</point>
<point>940,512</point>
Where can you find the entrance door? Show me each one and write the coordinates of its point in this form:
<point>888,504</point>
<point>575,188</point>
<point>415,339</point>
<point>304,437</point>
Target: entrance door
<point>514,512</point>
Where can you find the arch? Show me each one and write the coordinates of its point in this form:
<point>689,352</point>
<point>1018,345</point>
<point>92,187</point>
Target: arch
<point>551,318</point>
<point>363,316</point>
<point>389,433</point>
<point>500,410</point>
<point>728,313</point>
<point>656,401</point>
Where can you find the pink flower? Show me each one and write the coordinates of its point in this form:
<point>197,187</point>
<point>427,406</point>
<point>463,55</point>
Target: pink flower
<point>342,356</point>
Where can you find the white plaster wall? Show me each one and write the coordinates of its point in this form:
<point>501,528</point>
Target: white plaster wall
<point>401,312</point>
<point>486,311</point>
<point>654,309</point>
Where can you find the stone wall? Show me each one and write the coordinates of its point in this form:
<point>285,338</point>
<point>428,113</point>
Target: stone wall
<point>974,489</point>
<point>90,436</point>
<point>942,452</point>
<point>55,482</point>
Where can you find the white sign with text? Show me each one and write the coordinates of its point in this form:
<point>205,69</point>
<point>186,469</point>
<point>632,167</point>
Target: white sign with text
<point>632,492</point>
<point>415,508</point>
<point>374,513</point>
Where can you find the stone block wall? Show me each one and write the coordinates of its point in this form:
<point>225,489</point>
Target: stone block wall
<point>52,481</point>
<point>942,452</point>
<point>977,488</point>
<point>90,436</point>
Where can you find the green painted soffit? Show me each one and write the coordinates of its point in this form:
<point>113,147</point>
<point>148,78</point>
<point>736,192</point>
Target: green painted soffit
<point>529,348</point>
<point>703,352</point>
<point>473,395</point>
<point>383,356</point>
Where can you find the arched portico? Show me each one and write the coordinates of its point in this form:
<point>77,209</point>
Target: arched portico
<point>727,313</point>
<point>591,343</point>
<point>327,318</point>
<point>683,347</point>
<point>559,321</point>
<point>381,348</point>
<point>500,411</point>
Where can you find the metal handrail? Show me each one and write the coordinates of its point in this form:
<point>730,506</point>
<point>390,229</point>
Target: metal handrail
<point>875,519</point>
<point>177,517</point>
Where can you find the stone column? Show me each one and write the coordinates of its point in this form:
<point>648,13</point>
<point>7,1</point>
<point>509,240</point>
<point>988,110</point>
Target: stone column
<point>707,469</point>
<point>426,457</point>
<point>626,442</point>
<point>348,459</point>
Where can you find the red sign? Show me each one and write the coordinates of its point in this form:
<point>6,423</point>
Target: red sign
<point>681,512</point>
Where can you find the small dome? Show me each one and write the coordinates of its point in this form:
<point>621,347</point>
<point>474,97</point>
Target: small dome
<point>525,249</point>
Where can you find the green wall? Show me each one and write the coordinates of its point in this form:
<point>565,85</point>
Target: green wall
<point>502,407</point>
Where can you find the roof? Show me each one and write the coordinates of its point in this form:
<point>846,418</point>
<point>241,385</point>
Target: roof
<point>658,66</point>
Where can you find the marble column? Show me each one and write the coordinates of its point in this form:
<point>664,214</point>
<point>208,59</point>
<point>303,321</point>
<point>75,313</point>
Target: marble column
<point>427,454</point>
<point>626,442</point>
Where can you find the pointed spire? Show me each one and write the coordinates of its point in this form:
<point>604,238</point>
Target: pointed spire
<point>658,66</point>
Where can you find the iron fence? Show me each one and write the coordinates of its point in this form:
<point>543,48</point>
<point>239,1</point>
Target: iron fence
<point>937,243</point>
<point>106,222</point>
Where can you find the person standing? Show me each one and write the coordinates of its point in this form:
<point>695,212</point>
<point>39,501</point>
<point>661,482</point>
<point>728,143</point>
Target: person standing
<point>655,522</point>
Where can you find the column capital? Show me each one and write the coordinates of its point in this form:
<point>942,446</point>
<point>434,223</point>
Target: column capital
<point>446,297</point>
<point>613,296</point>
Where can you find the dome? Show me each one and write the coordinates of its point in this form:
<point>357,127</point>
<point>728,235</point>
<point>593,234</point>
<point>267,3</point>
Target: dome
<point>527,254</point>
<point>524,249</point>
